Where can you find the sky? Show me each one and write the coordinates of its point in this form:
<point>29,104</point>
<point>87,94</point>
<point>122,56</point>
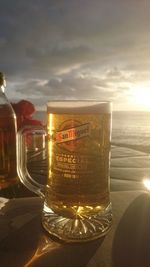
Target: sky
<point>83,49</point>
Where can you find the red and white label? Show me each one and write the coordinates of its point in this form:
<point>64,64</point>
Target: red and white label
<point>73,133</point>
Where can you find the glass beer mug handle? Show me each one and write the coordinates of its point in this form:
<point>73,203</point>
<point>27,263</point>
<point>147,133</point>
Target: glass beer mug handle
<point>25,142</point>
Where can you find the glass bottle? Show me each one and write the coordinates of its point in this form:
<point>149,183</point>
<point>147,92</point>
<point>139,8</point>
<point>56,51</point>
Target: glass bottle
<point>9,181</point>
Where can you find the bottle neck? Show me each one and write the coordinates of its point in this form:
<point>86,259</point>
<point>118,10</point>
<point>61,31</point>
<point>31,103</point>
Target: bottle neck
<point>2,89</point>
<point>2,83</point>
<point>3,97</point>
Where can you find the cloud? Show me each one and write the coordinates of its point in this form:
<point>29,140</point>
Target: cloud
<point>74,48</point>
<point>42,36</point>
<point>66,86</point>
<point>76,85</point>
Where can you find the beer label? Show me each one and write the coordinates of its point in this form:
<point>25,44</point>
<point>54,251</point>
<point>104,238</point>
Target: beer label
<point>76,146</point>
<point>74,133</point>
<point>71,134</point>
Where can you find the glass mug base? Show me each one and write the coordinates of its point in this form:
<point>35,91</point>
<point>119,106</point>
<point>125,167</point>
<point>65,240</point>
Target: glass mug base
<point>80,228</point>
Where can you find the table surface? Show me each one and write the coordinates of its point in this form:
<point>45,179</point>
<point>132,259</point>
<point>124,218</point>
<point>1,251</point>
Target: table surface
<point>23,242</point>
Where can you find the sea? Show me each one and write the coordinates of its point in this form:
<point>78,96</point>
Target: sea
<point>129,128</point>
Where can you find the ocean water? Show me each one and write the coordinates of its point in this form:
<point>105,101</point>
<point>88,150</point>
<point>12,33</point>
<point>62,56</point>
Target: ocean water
<point>128,128</point>
<point>131,128</point>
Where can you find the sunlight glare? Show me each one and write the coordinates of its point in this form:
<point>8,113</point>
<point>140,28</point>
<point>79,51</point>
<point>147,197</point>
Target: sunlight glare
<point>146,183</point>
<point>141,96</point>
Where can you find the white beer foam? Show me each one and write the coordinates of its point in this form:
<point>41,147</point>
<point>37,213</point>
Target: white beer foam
<point>78,106</point>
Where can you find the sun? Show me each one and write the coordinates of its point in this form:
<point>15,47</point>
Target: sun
<point>141,97</point>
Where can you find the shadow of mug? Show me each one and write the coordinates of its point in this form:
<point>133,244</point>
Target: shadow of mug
<point>23,242</point>
<point>131,245</point>
<point>50,252</point>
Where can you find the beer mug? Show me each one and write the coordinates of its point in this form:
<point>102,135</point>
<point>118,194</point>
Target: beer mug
<point>76,196</point>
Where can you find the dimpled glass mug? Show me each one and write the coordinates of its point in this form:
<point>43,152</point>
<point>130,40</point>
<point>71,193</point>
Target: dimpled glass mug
<point>76,196</point>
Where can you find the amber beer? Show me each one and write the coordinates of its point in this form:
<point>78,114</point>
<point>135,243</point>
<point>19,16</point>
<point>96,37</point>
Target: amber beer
<point>78,157</point>
<point>8,173</point>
